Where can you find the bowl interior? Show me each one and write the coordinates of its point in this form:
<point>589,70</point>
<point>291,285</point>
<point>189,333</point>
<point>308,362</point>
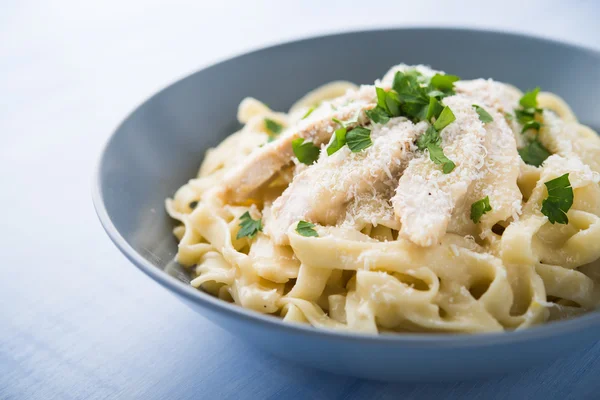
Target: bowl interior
<point>161,145</point>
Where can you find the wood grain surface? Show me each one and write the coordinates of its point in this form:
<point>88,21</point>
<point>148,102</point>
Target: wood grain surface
<point>77,321</point>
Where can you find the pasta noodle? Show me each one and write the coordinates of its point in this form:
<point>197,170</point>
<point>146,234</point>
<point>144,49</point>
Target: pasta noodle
<point>378,234</point>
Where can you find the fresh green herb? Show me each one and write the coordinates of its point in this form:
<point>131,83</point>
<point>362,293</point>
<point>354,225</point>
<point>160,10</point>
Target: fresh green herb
<point>193,204</point>
<point>484,116</point>
<point>446,117</point>
<point>431,136</point>
<point>273,127</point>
<point>479,208</point>
<point>381,99</point>
<point>392,102</point>
<point>434,109</point>
<point>529,99</point>
<point>444,83</point>
<point>378,115</point>
<point>436,154</point>
<point>310,110</point>
<point>535,125</point>
<point>306,229</point>
<point>559,200</point>
<point>509,116</point>
<point>338,140</point>
<point>412,96</point>
<point>306,152</point>
<point>436,93</point>
<point>358,139</point>
<point>534,153</point>
<point>432,141</point>
<point>525,116</point>
<point>249,227</point>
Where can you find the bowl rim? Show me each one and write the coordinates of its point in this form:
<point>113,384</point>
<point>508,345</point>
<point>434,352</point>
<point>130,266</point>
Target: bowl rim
<point>437,340</point>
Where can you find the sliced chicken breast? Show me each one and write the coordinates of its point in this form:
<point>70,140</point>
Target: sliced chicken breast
<point>426,197</point>
<point>264,162</point>
<point>320,193</point>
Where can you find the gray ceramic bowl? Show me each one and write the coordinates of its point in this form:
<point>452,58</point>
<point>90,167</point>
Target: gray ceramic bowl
<point>161,144</point>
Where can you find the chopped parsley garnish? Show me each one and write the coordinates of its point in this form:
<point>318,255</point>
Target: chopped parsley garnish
<point>306,152</point>
<point>338,140</point>
<point>531,125</point>
<point>193,204</point>
<point>534,153</point>
<point>436,154</point>
<point>432,141</point>
<point>434,109</point>
<point>310,110</point>
<point>306,229</point>
<point>431,136</point>
<point>273,127</point>
<point>446,118</point>
<point>249,227</point>
<point>529,99</point>
<point>479,208</point>
<point>413,95</point>
<point>418,98</point>
<point>484,116</point>
<point>378,115</point>
<point>358,139</point>
<point>444,83</point>
<point>559,200</point>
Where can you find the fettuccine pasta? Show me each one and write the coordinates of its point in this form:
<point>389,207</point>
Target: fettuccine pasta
<point>422,203</point>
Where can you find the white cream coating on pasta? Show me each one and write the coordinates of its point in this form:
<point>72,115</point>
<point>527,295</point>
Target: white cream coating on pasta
<point>390,256</point>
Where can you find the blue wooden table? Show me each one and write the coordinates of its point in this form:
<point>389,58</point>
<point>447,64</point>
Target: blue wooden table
<point>77,321</point>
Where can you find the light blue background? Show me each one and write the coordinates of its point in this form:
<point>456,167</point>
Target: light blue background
<point>76,320</point>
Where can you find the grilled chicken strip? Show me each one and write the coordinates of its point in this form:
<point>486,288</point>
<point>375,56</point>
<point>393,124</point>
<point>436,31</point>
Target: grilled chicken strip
<point>426,197</point>
<point>264,162</point>
<point>320,193</point>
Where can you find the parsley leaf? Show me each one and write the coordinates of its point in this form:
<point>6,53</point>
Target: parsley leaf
<point>484,116</point>
<point>434,109</point>
<point>432,141</point>
<point>249,226</point>
<point>306,152</point>
<point>534,153</point>
<point>529,99</point>
<point>479,208</point>
<point>524,116</point>
<point>431,136</point>
<point>444,83</point>
<point>378,115</point>
<point>358,139</point>
<point>446,117</point>
<point>310,110</point>
<point>436,154</point>
<point>409,89</point>
<point>273,127</point>
<point>531,125</point>
<point>393,103</point>
<point>559,200</point>
<point>338,140</point>
<point>306,229</point>
<point>381,99</point>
